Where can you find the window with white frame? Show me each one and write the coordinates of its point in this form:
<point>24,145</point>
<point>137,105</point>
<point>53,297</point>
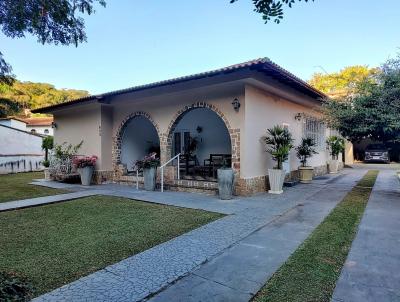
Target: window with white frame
<point>315,128</point>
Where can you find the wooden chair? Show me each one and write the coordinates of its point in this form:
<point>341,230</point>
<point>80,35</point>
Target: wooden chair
<point>216,161</point>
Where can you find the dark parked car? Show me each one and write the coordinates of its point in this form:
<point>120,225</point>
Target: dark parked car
<point>377,153</point>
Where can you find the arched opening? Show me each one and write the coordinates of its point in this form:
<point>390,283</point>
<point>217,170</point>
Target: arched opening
<point>139,138</point>
<point>203,139</point>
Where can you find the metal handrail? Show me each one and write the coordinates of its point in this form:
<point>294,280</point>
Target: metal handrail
<point>164,165</point>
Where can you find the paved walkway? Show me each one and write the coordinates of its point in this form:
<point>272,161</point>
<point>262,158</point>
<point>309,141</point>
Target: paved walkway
<point>372,269</point>
<point>228,259</point>
<point>26,203</point>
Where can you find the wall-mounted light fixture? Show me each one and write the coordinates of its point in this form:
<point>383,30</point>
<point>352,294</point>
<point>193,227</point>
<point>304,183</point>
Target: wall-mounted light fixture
<point>298,116</point>
<point>53,125</point>
<point>236,104</point>
<point>199,129</point>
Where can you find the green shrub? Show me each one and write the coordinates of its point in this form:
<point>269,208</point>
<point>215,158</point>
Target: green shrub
<point>335,145</point>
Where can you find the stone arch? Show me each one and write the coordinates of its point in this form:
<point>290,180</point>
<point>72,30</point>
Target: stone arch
<point>117,139</point>
<point>166,140</point>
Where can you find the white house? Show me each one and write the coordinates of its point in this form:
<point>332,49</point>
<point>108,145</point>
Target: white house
<point>40,125</point>
<point>215,115</point>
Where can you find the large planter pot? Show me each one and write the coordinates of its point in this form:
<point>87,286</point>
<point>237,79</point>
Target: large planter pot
<point>86,174</point>
<point>276,178</point>
<point>47,174</point>
<point>149,175</point>
<point>226,179</point>
<point>306,174</point>
<point>333,166</point>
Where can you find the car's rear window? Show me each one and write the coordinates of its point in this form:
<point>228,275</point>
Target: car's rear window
<point>376,147</point>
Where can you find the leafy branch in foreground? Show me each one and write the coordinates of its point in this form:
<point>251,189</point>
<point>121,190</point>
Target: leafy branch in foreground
<point>55,21</point>
<point>272,9</point>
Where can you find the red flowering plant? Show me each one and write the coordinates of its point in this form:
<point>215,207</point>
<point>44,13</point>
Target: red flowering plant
<point>85,161</point>
<point>149,161</point>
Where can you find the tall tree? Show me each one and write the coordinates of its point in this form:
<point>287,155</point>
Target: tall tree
<point>345,82</point>
<point>51,21</point>
<point>272,9</point>
<point>8,107</point>
<point>373,111</point>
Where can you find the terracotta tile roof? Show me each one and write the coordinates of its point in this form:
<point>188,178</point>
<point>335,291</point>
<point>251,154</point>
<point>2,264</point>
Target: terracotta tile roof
<point>264,65</point>
<point>38,121</point>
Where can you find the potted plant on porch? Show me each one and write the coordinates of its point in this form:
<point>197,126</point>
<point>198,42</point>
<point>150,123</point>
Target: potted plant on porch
<point>149,166</point>
<point>279,142</point>
<point>226,177</point>
<point>335,145</point>
<point>305,150</point>
<point>85,167</point>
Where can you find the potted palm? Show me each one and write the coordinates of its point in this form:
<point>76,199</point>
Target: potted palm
<point>85,167</point>
<point>226,177</point>
<point>149,166</point>
<point>47,144</point>
<point>335,146</point>
<point>279,142</point>
<point>304,151</point>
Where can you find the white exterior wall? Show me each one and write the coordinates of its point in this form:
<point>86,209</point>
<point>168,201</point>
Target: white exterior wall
<point>97,124</point>
<point>77,124</point>
<point>263,111</point>
<point>40,129</point>
<point>19,151</point>
<point>13,124</point>
<point>163,109</point>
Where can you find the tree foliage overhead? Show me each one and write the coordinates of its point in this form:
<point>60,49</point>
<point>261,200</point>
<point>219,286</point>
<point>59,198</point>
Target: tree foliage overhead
<point>28,95</point>
<point>373,110</point>
<point>272,9</point>
<point>8,107</point>
<point>345,82</point>
<point>51,21</point>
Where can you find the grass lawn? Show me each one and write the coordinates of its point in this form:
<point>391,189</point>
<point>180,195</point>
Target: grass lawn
<point>311,272</point>
<point>55,244</point>
<point>16,186</point>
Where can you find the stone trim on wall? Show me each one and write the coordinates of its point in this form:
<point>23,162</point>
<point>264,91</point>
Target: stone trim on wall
<point>166,139</point>
<point>102,176</point>
<point>117,139</point>
<point>259,184</point>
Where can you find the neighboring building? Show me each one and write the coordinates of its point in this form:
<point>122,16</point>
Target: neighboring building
<point>20,150</point>
<point>39,125</point>
<point>13,122</point>
<point>220,114</point>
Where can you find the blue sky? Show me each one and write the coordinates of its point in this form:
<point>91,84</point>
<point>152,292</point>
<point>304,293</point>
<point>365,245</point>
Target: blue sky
<point>133,42</point>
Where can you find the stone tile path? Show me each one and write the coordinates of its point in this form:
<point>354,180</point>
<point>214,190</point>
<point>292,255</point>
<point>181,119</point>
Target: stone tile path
<point>372,270</point>
<point>25,203</point>
<point>242,269</point>
<point>203,255</point>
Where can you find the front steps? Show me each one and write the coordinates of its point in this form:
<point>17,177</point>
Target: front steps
<point>181,185</point>
<point>195,186</point>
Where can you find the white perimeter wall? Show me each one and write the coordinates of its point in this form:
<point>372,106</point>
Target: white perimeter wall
<point>19,151</point>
